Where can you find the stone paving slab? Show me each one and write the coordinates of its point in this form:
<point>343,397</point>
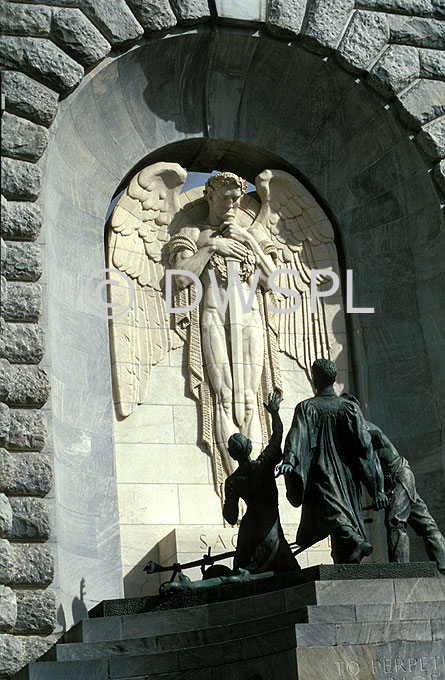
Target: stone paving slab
<point>73,670</point>
<point>396,611</point>
<point>402,611</point>
<point>370,591</point>
<point>358,633</point>
<point>384,591</point>
<point>420,590</point>
<point>272,667</point>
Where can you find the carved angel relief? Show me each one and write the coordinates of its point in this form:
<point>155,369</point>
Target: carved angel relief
<point>232,353</point>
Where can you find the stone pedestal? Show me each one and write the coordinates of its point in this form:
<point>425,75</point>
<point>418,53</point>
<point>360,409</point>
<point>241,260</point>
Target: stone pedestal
<point>329,622</point>
<point>374,629</point>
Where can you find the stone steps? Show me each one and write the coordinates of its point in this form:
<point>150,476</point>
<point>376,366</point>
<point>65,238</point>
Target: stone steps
<point>156,644</point>
<point>386,599</point>
<point>255,607</point>
<point>271,667</point>
<point>176,661</point>
<point>265,635</point>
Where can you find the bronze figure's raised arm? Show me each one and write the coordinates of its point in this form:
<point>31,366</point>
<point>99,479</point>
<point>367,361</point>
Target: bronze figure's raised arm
<point>261,543</point>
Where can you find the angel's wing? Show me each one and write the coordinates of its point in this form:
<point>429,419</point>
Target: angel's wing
<point>138,236</point>
<point>303,238</point>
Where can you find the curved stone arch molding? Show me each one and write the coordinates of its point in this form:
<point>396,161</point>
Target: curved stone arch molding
<point>400,50</point>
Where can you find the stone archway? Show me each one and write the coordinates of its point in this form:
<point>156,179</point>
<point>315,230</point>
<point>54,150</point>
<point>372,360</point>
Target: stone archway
<point>315,118</point>
<point>287,94</point>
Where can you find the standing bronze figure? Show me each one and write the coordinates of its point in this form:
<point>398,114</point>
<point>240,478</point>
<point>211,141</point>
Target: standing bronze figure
<point>328,455</point>
<point>405,505</point>
<point>261,543</point>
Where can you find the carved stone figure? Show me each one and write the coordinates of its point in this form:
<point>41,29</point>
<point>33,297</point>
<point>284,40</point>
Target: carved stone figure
<point>328,455</point>
<point>405,505</point>
<point>261,543</point>
<point>232,340</point>
<point>232,354</point>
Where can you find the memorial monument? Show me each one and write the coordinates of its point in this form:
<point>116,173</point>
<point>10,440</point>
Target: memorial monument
<point>346,100</point>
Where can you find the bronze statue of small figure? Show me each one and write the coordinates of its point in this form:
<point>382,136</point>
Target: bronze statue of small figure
<point>405,505</point>
<point>261,543</point>
<point>327,456</point>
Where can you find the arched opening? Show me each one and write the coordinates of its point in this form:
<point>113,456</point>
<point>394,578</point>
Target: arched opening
<point>302,111</point>
<point>167,477</point>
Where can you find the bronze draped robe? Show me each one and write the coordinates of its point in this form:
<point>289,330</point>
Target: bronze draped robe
<point>330,450</point>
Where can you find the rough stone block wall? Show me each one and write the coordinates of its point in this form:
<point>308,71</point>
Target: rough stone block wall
<point>27,603</point>
<point>396,46</point>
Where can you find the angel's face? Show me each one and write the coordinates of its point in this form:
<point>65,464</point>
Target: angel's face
<point>224,202</point>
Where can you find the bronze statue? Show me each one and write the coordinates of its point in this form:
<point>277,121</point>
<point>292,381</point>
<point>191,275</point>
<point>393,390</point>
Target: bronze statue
<point>405,505</point>
<point>261,543</point>
<point>328,455</point>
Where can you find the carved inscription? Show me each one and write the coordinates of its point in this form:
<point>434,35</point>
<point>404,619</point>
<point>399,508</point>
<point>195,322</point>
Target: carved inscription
<point>397,668</point>
<point>220,542</point>
<point>351,668</point>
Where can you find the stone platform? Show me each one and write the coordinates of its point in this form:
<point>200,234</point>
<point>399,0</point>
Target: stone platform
<point>388,624</point>
<point>319,572</point>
